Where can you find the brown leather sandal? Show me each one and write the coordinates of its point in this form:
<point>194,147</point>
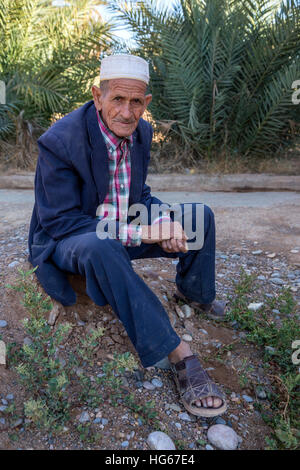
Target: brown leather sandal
<point>194,383</point>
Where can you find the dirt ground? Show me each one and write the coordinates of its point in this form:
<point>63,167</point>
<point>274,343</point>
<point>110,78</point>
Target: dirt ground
<point>240,231</point>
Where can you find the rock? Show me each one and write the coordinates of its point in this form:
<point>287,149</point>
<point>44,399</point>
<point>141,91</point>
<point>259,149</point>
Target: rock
<point>27,341</point>
<point>184,417</point>
<point>178,426</point>
<point>277,280</point>
<point>104,421</point>
<point>163,364</point>
<point>10,396</point>
<point>84,417</point>
<point>174,407</point>
<point>208,447</point>
<point>223,437</point>
<point>138,375</point>
<point>158,440</point>
<point>4,402</point>
<point>2,353</point>
<point>261,278</point>
<point>148,385</point>
<point>255,306</point>
<point>257,252</point>
<point>3,408</point>
<point>270,349</point>
<point>17,423</point>
<point>157,383</point>
<point>203,331</point>
<point>271,255</point>
<point>125,444</point>
<point>187,338</point>
<point>179,312</point>
<point>261,394</point>
<point>2,420</point>
<point>187,310</point>
<point>3,323</point>
<point>53,315</point>
<point>247,398</point>
<point>220,420</point>
<point>13,264</point>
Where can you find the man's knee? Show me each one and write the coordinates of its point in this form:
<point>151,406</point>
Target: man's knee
<point>93,247</point>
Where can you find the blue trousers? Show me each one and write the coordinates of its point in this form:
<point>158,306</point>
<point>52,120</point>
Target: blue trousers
<point>110,278</point>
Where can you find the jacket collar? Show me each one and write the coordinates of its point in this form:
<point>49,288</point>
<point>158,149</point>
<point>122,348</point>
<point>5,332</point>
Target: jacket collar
<point>99,158</point>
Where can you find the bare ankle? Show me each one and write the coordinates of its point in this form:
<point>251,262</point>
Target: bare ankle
<point>183,350</point>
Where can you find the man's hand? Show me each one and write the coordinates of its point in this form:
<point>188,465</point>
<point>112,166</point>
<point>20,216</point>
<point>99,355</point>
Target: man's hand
<point>169,235</point>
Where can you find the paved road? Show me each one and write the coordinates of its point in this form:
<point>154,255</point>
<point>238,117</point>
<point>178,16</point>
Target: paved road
<point>213,199</point>
<point>271,219</point>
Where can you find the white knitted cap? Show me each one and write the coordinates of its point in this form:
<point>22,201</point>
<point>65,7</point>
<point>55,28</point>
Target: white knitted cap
<point>124,66</point>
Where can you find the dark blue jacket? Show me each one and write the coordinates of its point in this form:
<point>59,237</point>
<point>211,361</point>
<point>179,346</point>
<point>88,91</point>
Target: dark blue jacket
<point>71,180</point>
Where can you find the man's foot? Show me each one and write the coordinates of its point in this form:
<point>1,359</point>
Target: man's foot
<point>215,310</point>
<point>196,387</point>
<point>179,355</point>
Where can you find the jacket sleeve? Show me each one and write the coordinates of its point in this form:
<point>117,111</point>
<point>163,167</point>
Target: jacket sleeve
<point>57,191</point>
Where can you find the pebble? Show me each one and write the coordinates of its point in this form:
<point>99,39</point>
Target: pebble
<point>261,394</point>
<point>255,306</point>
<point>174,407</point>
<point>3,408</point>
<point>4,402</point>
<point>157,383</point>
<point>223,437</point>
<point>257,252</point>
<point>187,338</point>
<point>3,323</point>
<point>184,417</point>
<point>158,440</point>
<point>277,280</point>
<point>247,398</point>
<point>178,425</point>
<point>220,420</point>
<point>2,420</point>
<point>13,264</point>
<point>84,417</point>
<point>187,310</point>
<point>125,444</point>
<point>27,341</point>
<point>209,447</point>
<point>261,278</point>
<point>148,386</point>
<point>104,421</point>
<point>163,364</point>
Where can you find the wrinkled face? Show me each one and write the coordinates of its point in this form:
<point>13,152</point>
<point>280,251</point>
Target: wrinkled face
<point>122,104</point>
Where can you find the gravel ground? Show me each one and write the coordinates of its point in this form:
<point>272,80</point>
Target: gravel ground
<point>241,372</point>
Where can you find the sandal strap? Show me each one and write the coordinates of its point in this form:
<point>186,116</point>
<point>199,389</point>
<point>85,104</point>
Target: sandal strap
<point>194,382</point>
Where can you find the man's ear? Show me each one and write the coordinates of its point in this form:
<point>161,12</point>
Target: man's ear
<point>97,95</point>
<point>148,99</point>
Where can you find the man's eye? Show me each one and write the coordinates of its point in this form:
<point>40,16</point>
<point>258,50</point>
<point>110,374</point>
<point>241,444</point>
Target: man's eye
<point>137,101</point>
<point>117,98</point>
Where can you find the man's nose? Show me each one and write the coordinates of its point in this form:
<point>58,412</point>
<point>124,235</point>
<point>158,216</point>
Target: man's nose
<point>126,111</point>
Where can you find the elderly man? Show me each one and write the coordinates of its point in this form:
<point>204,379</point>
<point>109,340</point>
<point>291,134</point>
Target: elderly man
<point>92,167</point>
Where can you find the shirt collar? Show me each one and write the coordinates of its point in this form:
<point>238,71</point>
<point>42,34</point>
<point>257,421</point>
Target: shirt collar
<point>111,140</point>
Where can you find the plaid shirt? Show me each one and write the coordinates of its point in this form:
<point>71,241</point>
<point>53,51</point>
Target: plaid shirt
<point>115,204</point>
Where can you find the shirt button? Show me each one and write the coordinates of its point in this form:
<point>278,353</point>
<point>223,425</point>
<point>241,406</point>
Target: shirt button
<point>122,186</point>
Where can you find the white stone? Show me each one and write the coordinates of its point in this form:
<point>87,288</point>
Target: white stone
<point>158,440</point>
<point>223,437</point>
<point>187,310</point>
<point>187,337</point>
<point>2,353</point>
<point>179,311</point>
<point>255,306</point>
